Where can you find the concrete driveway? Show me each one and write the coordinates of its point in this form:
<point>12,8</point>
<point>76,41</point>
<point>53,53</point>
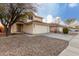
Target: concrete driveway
<point>72,49</point>
<point>66,37</point>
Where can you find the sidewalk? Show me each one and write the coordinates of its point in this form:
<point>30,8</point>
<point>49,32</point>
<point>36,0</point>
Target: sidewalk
<point>72,49</point>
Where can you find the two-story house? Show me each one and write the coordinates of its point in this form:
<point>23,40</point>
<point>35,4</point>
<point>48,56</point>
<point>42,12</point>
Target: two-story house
<point>32,24</point>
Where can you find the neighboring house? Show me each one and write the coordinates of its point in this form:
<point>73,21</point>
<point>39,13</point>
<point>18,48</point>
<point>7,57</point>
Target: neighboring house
<point>53,27</point>
<point>74,25</point>
<point>32,25</point>
<point>60,28</point>
<point>1,28</point>
<point>56,28</point>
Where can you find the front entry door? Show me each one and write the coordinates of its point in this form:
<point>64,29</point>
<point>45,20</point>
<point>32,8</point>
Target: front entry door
<point>19,27</point>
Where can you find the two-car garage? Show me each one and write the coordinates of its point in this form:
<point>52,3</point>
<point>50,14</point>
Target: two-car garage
<point>39,28</point>
<point>36,28</point>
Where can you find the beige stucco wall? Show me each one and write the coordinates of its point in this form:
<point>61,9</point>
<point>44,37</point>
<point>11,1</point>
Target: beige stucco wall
<point>38,29</point>
<point>14,28</point>
<point>60,29</point>
<point>28,28</point>
<point>33,28</point>
<point>37,18</point>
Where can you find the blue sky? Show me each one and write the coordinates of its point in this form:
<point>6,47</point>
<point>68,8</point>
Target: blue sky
<point>63,10</point>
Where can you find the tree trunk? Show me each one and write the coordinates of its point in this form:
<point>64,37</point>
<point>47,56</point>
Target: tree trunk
<point>7,31</point>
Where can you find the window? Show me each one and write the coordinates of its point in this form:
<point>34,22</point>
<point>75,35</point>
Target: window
<point>30,17</point>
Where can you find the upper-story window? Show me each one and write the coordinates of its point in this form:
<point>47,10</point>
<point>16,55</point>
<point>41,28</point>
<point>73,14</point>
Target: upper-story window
<point>30,17</point>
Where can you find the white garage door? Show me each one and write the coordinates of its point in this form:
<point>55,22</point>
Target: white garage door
<point>41,29</point>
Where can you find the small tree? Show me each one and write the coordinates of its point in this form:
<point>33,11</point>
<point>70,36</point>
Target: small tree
<point>11,13</point>
<point>65,30</point>
<point>69,21</point>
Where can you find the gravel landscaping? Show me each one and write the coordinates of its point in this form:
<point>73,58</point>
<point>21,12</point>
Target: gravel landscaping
<point>23,45</point>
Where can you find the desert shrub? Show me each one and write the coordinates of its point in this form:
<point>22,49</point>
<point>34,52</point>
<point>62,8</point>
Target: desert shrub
<point>65,30</point>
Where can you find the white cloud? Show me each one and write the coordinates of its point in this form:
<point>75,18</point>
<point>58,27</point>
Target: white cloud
<point>57,19</point>
<point>44,20</point>
<point>72,5</point>
<point>49,19</point>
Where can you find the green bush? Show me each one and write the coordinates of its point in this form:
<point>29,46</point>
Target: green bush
<point>65,30</point>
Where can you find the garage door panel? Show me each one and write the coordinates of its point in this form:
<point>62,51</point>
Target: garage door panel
<point>41,29</point>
